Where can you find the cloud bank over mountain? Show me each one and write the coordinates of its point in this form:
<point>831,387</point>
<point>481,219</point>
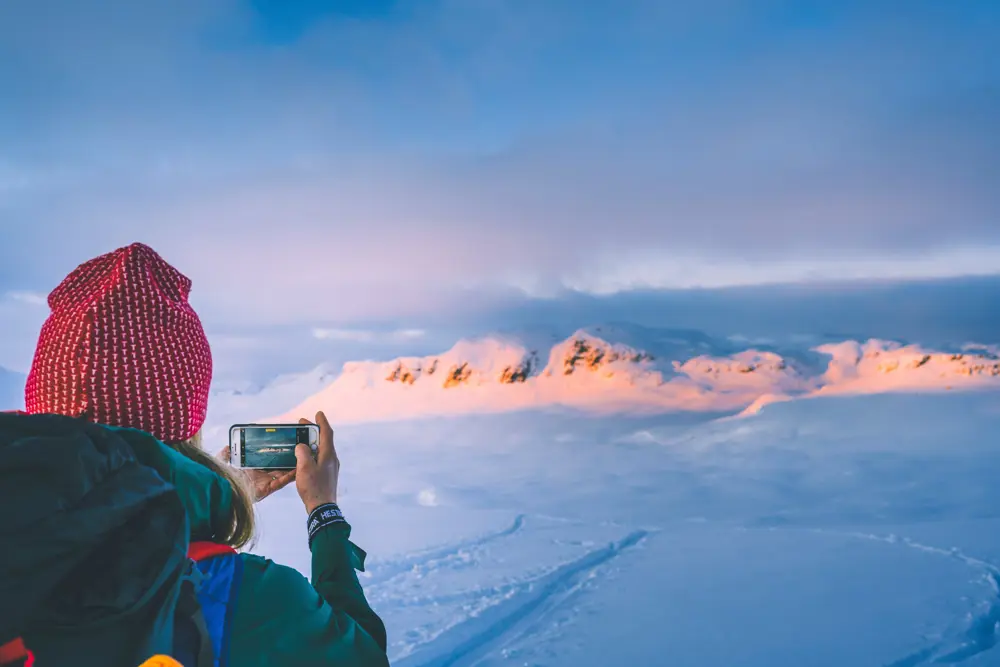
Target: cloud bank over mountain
<point>599,147</point>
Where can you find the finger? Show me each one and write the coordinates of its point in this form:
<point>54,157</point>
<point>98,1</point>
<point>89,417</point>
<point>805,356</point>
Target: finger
<point>303,457</point>
<point>284,481</point>
<point>303,420</point>
<point>327,452</point>
<point>269,481</point>
<point>223,454</point>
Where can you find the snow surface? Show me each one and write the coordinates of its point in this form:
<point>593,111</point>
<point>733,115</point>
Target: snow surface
<point>676,501</point>
<point>860,530</point>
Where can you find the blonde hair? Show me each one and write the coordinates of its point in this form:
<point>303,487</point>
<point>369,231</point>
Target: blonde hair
<point>240,526</point>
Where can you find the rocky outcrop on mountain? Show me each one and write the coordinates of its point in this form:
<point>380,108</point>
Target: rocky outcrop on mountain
<point>458,375</point>
<point>408,374</point>
<point>401,373</point>
<point>591,354</point>
<point>516,373</point>
<point>975,364</point>
<point>461,373</point>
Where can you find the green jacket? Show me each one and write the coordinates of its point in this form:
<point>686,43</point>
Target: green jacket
<point>280,618</point>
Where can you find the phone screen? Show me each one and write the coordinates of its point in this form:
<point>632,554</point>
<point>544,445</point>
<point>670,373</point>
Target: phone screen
<point>271,446</point>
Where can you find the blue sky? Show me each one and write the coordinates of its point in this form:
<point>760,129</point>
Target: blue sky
<point>355,161</point>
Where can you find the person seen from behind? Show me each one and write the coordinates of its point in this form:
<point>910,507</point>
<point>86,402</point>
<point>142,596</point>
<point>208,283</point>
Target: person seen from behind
<point>122,347</point>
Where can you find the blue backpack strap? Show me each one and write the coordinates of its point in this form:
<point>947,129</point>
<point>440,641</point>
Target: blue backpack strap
<point>204,639</point>
<point>192,638</point>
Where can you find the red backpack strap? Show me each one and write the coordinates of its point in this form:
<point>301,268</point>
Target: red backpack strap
<point>199,551</point>
<point>15,652</point>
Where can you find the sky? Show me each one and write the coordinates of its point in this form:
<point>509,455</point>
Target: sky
<point>356,161</point>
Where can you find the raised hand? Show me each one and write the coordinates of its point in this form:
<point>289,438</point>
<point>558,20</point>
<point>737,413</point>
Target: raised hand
<point>316,479</point>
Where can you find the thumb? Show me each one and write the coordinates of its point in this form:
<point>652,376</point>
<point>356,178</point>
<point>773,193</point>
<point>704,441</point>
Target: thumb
<point>303,456</point>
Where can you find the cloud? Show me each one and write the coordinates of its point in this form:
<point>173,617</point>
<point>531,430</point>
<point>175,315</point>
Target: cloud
<point>368,336</point>
<point>30,298</point>
<point>384,165</point>
<point>937,312</point>
<point>236,343</point>
<point>647,271</point>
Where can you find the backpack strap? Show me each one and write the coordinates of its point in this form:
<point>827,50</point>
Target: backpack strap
<point>190,627</point>
<point>205,608</point>
<point>199,551</point>
<point>15,652</point>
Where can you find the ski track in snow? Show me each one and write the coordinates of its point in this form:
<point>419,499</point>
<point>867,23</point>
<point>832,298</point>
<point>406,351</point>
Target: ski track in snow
<point>980,636</point>
<point>505,590</point>
<point>489,618</point>
<point>426,561</point>
<point>466,643</point>
<point>983,631</point>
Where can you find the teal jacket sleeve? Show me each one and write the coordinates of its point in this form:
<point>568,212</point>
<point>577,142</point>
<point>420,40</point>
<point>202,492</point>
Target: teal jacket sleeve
<point>334,561</point>
<point>282,619</point>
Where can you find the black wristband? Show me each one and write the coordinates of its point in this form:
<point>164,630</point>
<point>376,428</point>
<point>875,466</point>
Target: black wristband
<point>323,516</point>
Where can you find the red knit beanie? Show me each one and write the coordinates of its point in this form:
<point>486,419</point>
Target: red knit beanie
<point>123,347</point>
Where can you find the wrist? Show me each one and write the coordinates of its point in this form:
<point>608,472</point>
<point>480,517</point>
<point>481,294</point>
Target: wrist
<point>312,503</point>
<point>321,516</point>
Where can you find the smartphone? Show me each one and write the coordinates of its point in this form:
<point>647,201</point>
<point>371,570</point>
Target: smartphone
<point>270,446</point>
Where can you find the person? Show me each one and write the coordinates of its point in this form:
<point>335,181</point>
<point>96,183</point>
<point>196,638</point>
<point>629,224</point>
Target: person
<point>123,347</point>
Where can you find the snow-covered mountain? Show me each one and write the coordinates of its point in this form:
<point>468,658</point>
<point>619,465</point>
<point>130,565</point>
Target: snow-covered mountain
<point>618,369</point>
<point>602,370</point>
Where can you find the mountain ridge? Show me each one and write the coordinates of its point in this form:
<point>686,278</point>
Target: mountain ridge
<point>605,369</point>
<point>609,369</point>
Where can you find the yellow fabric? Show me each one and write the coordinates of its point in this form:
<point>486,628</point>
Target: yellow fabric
<point>161,661</point>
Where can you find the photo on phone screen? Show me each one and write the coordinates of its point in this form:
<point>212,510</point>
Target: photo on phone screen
<point>271,446</point>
